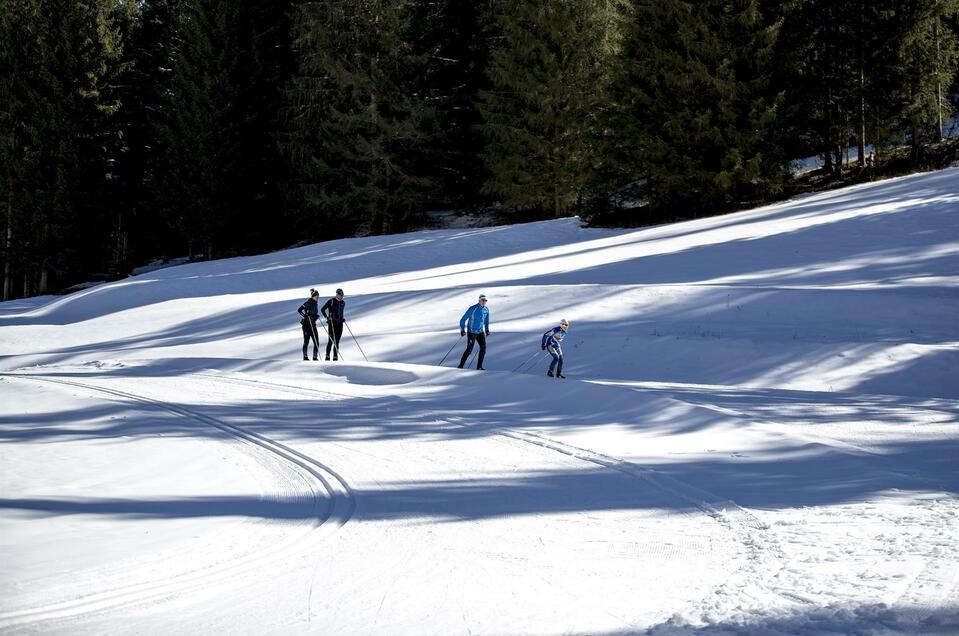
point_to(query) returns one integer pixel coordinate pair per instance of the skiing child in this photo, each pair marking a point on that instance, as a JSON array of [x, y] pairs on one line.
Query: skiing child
[[476, 322], [334, 312], [309, 314], [553, 342]]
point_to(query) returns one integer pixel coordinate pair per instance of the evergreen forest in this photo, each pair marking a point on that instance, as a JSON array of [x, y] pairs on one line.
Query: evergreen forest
[[138, 130]]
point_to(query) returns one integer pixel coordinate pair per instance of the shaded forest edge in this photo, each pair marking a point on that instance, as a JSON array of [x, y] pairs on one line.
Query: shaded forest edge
[[140, 130]]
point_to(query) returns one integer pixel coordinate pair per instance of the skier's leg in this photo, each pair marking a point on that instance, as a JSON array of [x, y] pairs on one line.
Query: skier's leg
[[552, 364], [329, 343], [337, 333], [316, 340], [559, 367], [481, 339], [469, 348], [306, 337]]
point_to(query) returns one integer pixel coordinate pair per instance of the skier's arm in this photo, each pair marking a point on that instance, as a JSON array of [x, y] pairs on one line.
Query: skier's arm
[[465, 318], [549, 340], [302, 310], [486, 322], [326, 308]]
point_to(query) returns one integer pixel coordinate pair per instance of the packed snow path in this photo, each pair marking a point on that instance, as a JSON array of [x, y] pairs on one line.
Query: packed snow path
[[758, 434]]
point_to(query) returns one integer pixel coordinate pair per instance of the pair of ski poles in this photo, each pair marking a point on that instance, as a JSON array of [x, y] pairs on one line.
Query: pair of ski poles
[[336, 347], [530, 361], [468, 364], [535, 357]]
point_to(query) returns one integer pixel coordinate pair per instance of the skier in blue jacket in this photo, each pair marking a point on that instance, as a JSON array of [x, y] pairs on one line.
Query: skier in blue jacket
[[553, 342], [475, 326]]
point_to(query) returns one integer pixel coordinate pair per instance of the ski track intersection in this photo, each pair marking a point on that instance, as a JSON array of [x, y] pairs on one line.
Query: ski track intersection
[[450, 489]]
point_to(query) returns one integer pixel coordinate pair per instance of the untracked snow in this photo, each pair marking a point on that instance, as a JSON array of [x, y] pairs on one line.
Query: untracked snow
[[758, 435]]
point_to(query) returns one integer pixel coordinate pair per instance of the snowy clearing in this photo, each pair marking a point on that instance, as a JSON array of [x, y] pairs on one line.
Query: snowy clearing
[[758, 434]]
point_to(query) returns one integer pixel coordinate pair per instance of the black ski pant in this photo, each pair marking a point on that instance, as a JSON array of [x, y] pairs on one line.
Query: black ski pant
[[309, 333], [470, 339], [334, 330]]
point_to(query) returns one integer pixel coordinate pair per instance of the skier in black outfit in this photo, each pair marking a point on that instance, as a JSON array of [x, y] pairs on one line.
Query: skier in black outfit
[[334, 312], [309, 313]]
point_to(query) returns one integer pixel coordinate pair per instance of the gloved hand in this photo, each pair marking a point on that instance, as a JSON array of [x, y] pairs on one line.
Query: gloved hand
[[542, 347], [462, 332], [487, 332]]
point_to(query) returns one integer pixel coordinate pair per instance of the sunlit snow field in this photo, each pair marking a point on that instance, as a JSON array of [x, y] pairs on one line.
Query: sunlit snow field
[[759, 434]]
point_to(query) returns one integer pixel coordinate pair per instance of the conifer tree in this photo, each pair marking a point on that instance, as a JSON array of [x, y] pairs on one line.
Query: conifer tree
[[218, 136], [19, 101], [361, 126], [453, 39], [143, 82], [698, 112], [864, 73], [543, 113], [928, 65], [57, 56]]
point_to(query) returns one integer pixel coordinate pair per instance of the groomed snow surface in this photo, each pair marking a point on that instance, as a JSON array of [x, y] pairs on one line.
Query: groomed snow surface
[[759, 434]]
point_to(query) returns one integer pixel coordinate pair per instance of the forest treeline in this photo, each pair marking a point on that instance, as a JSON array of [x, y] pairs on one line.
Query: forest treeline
[[132, 130]]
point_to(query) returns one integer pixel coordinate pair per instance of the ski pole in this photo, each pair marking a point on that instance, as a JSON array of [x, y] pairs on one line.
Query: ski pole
[[449, 352], [525, 362], [355, 340], [329, 332], [316, 339], [527, 367]]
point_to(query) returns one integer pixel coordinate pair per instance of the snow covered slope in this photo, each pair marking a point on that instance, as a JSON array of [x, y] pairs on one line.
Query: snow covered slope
[[758, 434]]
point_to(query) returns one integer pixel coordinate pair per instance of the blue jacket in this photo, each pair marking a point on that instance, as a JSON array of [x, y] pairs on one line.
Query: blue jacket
[[554, 338], [478, 318]]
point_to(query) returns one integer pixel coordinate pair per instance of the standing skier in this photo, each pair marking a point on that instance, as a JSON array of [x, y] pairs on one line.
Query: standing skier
[[333, 311], [476, 322], [553, 342], [309, 314]]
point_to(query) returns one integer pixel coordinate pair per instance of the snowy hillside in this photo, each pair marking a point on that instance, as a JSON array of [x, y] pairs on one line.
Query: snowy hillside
[[758, 434]]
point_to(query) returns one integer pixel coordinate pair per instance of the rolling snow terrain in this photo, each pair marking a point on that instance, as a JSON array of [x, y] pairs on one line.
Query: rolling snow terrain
[[759, 434]]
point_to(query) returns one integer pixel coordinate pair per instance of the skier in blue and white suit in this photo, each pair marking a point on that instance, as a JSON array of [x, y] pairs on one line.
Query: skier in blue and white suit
[[475, 325], [553, 342]]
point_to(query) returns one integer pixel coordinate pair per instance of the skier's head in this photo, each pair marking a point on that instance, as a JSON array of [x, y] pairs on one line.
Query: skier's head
[[564, 324], [314, 293], [339, 293], [482, 298]]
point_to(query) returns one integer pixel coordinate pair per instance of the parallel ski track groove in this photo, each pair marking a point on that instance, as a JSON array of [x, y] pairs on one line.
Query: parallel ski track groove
[[342, 505], [701, 499], [763, 556]]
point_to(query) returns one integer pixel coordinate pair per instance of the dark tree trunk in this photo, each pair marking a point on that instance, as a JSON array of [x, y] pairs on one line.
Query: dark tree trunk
[[7, 244]]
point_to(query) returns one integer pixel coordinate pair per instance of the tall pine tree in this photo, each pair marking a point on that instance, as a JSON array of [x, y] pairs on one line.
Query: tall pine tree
[[361, 126], [57, 58], [453, 39], [543, 113], [928, 64], [698, 114], [216, 173]]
